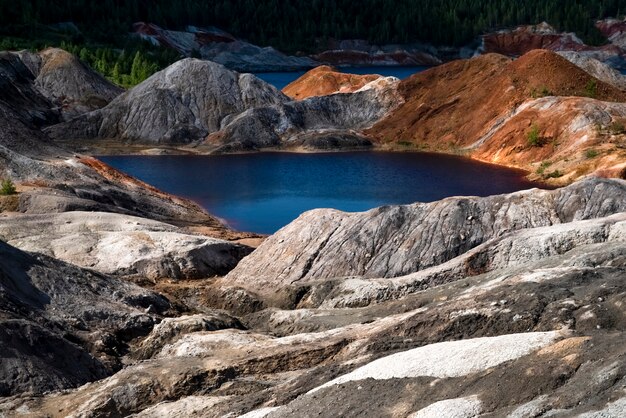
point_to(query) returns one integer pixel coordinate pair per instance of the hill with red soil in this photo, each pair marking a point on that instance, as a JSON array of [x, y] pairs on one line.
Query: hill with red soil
[[325, 80], [490, 103]]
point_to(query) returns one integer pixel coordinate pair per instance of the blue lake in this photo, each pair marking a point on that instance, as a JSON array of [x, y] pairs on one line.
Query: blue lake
[[281, 79], [264, 191]]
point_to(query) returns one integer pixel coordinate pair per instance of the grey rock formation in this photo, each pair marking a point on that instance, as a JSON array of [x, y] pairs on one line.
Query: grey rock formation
[[63, 326], [122, 245], [52, 84], [316, 122], [556, 315], [397, 240], [192, 99], [525, 316], [18, 91], [180, 104], [596, 68], [71, 84]]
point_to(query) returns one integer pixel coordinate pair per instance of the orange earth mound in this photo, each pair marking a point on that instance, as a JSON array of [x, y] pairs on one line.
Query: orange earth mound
[[539, 112], [324, 80]]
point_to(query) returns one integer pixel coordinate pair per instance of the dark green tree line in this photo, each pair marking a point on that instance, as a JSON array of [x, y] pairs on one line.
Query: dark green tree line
[[295, 24]]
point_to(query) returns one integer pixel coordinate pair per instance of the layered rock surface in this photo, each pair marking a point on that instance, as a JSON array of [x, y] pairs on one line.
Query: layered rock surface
[[122, 245], [528, 322], [393, 241]]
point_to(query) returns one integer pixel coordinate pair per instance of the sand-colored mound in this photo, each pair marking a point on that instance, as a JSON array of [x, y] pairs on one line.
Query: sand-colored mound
[[466, 106], [325, 80]]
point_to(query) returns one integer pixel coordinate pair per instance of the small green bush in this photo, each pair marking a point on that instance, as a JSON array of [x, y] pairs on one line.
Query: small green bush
[[543, 166], [591, 153], [542, 92], [554, 175], [533, 136], [591, 89], [7, 187]]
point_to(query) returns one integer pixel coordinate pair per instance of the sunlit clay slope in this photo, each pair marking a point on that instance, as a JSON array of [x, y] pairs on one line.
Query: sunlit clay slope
[[325, 80], [540, 113]]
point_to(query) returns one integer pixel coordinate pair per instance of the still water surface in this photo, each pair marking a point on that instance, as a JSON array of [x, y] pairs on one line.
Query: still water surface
[[264, 191]]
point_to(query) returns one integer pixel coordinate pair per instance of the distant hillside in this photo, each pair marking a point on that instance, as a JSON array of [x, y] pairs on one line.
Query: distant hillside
[[301, 25]]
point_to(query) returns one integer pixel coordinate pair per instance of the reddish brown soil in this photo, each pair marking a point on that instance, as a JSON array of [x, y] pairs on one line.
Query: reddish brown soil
[[450, 107], [527, 38], [609, 28], [325, 80]]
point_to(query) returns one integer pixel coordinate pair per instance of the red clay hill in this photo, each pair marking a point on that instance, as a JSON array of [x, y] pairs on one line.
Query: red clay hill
[[324, 80], [539, 112]]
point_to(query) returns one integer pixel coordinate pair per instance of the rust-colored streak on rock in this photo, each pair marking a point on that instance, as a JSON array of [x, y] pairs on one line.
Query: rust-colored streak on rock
[[325, 80], [118, 177]]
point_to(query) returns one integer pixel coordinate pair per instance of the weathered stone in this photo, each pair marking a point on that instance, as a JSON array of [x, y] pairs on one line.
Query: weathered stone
[[180, 104], [397, 240], [63, 326], [122, 245]]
